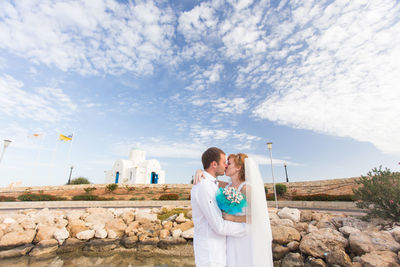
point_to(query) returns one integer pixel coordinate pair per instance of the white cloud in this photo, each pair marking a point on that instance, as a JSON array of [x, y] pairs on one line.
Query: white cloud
[[236, 105], [88, 36], [263, 160], [44, 104]]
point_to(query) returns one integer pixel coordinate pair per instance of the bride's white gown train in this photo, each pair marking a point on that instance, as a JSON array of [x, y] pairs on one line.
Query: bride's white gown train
[[255, 248]]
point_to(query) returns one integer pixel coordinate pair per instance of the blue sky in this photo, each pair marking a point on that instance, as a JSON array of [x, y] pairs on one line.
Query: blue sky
[[320, 79]]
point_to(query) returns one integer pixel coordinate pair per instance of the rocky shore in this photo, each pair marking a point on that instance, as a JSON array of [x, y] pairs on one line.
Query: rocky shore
[[301, 238]]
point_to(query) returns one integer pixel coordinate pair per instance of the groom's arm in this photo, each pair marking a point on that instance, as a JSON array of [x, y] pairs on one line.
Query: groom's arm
[[210, 210]]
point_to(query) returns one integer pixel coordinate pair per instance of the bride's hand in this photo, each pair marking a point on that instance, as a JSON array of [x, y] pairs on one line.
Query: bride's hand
[[198, 176], [228, 217]]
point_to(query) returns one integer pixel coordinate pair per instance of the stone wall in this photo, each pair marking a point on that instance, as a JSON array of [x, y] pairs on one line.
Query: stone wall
[[300, 238], [152, 192]]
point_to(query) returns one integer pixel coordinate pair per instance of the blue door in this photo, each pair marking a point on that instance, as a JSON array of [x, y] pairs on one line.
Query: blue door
[[116, 177], [154, 178]]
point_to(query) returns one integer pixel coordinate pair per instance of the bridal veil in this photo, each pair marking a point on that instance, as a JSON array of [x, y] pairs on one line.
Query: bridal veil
[[257, 216]]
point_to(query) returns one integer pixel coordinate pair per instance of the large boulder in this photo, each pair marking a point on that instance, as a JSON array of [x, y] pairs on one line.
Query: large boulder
[[128, 217], [338, 257], [365, 242], [322, 241], [284, 234], [350, 221], [85, 235], [348, 230], [116, 225], [379, 259], [279, 251], [284, 222], [144, 217], [292, 214], [14, 239], [44, 232], [76, 226], [314, 262], [396, 233], [27, 223], [185, 226], [306, 215], [188, 234], [97, 217]]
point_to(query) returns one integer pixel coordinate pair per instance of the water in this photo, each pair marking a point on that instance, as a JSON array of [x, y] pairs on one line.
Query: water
[[105, 260]]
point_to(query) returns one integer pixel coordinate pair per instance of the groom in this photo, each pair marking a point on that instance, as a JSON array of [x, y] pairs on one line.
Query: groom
[[210, 230]]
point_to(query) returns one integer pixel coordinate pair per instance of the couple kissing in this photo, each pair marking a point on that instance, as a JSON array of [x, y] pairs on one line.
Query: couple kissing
[[231, 222]]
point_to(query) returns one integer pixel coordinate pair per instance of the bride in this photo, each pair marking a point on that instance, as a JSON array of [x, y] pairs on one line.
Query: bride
[[255, 248]]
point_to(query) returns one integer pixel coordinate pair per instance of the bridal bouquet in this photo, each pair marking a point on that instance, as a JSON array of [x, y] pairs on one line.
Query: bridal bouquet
[[230, 200]]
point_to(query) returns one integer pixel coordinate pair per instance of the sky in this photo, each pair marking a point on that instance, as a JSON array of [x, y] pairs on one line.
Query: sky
[[318, 79]]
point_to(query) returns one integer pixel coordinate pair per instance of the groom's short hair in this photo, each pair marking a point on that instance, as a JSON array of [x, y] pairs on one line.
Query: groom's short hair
[[210, 155]]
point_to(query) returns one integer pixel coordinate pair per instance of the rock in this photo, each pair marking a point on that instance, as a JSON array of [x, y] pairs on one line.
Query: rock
[[347, 230], [181, 218], [9, 220], [27, 223], [176, 233], [172, 218], [396, 233], [379, 259], [273, 216], [293, 246], [147, 240], [314, 262], [14, 239], [76, 226], [44, 216], [306, 215], [151, 228], [74, 214], [60, 235], [111, 234], [129, 242], [44, 232], [128, 217], [44, 248], [301, 226], [117, 225], [16, 252], [132, 228], [101, 245], [13, 227], [71, 245], [279, 251], [325, 224], [144, 217], [284, 234], [322, 241], [100, 233], [311, 228], [185, 226], [350, 221], [164, 233], [167, 225], [338, 257], [292, 214], [188, 234], [365, 242], [98, 218], [60, 222], [293, 260], [189, 214], [85, 235], [284, 222]]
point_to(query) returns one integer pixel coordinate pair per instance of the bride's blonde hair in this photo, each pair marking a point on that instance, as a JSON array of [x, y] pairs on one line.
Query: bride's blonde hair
[[239, 162]]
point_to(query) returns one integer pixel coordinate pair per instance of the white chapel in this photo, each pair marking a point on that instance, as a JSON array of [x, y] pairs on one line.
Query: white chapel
[[136, 170]]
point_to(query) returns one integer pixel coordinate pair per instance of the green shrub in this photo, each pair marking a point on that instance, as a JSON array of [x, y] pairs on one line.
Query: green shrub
[[80, 180], [88, 190], [129, 188], [280, 189], [170, 196], [270, 197], [323, 197], [111, 187], [379, 194], [38, 197], [266, 190], [85, 197], [7, 199]]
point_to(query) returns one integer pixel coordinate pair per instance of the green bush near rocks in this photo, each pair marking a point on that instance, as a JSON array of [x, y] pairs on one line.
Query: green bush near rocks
[[170, 196], [379, 194], [7, 199], [80, 180], [280, 189], [39, 197], [165, 214], [111, 187]]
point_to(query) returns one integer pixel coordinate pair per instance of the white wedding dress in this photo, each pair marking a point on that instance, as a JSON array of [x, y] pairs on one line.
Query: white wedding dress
[[255, 248]]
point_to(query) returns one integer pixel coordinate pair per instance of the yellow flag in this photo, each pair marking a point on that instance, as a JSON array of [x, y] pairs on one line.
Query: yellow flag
[[65, 137]]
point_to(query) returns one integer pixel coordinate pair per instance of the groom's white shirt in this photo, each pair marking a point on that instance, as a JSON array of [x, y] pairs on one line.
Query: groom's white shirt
[[210, 230]]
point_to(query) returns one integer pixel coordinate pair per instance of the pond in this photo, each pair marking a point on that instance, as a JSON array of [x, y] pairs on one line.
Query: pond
[[114, 260]]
